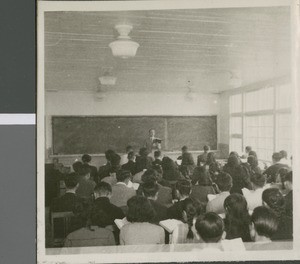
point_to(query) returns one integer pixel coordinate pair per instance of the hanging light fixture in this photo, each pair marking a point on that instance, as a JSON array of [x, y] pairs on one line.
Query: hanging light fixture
[[124, 47]]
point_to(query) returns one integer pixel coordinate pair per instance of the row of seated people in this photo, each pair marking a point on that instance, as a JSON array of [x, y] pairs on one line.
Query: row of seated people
[[119, 200]]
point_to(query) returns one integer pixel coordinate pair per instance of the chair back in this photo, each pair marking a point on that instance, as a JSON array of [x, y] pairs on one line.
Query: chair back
[[60, 226]]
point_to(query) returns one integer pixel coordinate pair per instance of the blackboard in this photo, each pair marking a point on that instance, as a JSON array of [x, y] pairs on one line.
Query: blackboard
[[95, 134]]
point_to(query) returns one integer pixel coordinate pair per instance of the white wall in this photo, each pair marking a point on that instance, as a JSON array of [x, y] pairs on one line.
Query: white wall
[[125, 104]]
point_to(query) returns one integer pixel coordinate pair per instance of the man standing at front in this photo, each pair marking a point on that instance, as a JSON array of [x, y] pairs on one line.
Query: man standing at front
[[152, 143]]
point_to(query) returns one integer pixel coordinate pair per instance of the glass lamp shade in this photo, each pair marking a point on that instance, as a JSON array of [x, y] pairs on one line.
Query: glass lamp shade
[[124, 48]]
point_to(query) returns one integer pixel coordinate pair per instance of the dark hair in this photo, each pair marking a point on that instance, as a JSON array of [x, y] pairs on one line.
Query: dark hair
[[151, 129], [149, 176], [252, 153], [206, 148], [224, 181], [77, 166], [184, 148], [248, 148], [210, 158], [265, 221], [258, 179], [129, 148], [233, 153], [282, 174], [157, 153], [130, 155], [233, 161], [289, 176], [140, 210], [275, 200], [109, 153], [210, 227], [184, 187], [103, 188], [202, 176], [283, 154], [253, 162], [115, 160], [143, 152], [86, 158], [276, 156], [71, 180], [168, 164], [122, 175], [192, 210], [84, 170], [99, 217], [150, 189]]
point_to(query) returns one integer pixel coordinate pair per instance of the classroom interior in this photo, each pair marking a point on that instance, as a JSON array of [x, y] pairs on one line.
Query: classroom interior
[[229, 66]]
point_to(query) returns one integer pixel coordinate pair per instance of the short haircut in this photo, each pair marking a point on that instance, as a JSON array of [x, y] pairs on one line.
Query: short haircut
[[252, 153], [71, 180], [150, 189], [202, 176], [151, 129], [273, 198], [289, 176], [283, 153], [129, 148], [258, 179], [157, 153], [103, 188], [252, 160], [130, 155], [99, 217], [265, 221], [86, 158], [224, 181], [233, 153], [206, 148], [184, 187], [210, 227], [248, 148], [184, 148], [122, 175], [276, 156], [149, 176], [115, 159], [77, 166], [143, 151], [109, 153], [140, 210], [84, 170]]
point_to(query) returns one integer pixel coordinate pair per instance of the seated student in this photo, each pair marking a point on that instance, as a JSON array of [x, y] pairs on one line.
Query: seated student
[[86, 186], [273, 199], [284, 159], [263, 226], [164, 195], [215, 204], [183, 191], [254, 196], [143, 161], [141, 230], [252, 163], [124, 158], [272, 171], [187, 164], [86, 159], [105, 169], [247, 150], [203, 186], [150, 191], [93, 231], [102, 194], [130, 165], [201, 159], [211, 230], [171, 173], [157, 158], [67, 202], [288, 183], [120, 191], [114, 168], [77, 166], [212, 165], [237, 218]]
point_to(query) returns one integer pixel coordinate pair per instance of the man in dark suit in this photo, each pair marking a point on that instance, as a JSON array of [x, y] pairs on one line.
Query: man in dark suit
[[157, 158], [105, 170], [150, 191], [130, 165], [86, 159]]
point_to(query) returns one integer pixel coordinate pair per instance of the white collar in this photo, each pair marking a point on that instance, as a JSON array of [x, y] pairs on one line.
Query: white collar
[[71, 191]]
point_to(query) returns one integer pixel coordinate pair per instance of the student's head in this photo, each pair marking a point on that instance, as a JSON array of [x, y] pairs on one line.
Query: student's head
[[143, 152], [99, 217], [206, 148], [248, 149], [157, 154], [210, 228], [86, 158], [276, 157], [131, 156], [168, 164], [129, 149], [211, 158], [236, 206], [151, 132], [140, 210], [272, 198], [203, 176], [252, 160], [71, 181], [233, 161], [183, 188], [108, 154], [150, 176], [258, 180], [77, 166], [283, 154], [102, 189], [85, 171], [252, 153], [184, 149], [288, 181], [224, 182], [150, 190], [233, 153], [123, 176], [282, 172], [263, 223]]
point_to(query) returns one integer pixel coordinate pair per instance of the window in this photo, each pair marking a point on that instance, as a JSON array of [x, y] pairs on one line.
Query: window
[[261, 119]]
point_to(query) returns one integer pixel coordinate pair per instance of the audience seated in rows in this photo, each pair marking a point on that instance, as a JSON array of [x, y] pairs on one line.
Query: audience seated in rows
[[124, 157], [253, 164], [86, 186], [86, 159], [212, 165], [130, 165], [114, 168], [171, 172]]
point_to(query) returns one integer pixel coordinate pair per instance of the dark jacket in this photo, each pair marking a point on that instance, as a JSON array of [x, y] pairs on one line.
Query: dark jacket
[[272, 171], [94, 173], [160, 210], [104, 171], [130, 166], [65, 203]]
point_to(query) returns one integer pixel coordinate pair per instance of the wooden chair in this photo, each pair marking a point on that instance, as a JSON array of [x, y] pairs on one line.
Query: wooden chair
[[62, 225]]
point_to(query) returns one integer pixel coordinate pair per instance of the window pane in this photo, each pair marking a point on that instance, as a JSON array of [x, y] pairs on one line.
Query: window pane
[[235, 103], [235, 125], [259, 100], [236, 145], [284, 133], [284, 96]]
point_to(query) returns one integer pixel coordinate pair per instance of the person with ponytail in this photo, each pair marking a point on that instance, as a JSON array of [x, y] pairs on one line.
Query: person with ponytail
[[237, 218], [273, 199]]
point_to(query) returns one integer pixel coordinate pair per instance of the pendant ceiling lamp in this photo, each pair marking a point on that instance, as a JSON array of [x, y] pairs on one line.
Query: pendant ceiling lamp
[[124, 47]]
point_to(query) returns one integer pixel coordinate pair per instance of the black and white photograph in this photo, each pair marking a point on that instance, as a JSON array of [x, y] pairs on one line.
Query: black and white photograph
[[167, 131]]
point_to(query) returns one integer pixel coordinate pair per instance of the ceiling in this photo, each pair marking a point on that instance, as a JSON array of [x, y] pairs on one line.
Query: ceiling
[[207, 47]]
